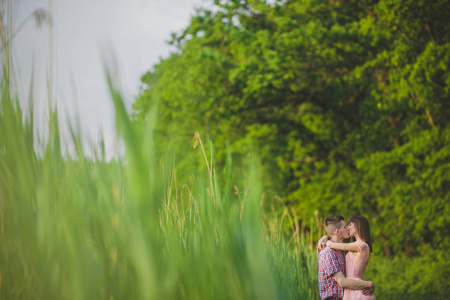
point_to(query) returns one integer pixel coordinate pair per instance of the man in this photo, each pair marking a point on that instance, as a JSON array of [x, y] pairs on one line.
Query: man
[[332, 281]]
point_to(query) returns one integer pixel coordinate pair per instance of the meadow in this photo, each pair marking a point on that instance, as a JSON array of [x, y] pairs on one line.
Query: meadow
[[266, 119], [86, 228], [135, 228]]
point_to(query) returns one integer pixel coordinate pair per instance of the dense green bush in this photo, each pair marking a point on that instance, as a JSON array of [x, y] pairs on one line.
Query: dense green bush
[[410, 278]]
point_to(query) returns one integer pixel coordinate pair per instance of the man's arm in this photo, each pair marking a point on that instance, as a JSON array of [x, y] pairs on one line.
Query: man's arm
[[351, 284]]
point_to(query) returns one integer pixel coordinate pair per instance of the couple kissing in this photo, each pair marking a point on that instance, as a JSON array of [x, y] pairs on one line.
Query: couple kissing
[[341, 276]]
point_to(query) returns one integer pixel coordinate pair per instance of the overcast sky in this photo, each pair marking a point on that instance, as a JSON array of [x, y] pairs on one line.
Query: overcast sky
[[83, 30]]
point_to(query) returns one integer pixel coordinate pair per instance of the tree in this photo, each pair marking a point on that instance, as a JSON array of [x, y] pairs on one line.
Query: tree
[[346, 102]]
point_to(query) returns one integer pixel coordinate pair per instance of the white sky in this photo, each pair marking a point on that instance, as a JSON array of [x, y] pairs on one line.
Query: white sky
[[83, 30]]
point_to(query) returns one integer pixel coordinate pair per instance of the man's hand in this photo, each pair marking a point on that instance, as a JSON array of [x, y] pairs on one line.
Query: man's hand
[[322, 243], [370, 290]]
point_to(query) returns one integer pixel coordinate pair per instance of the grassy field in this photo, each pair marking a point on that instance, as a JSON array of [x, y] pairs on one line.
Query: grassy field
[[133, 228], [84, 228]]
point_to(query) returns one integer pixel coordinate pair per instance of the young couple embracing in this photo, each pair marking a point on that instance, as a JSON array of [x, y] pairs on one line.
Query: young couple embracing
[[341, 276]]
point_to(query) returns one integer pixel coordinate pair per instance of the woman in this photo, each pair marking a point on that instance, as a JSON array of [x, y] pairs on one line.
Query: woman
[[358, 254]]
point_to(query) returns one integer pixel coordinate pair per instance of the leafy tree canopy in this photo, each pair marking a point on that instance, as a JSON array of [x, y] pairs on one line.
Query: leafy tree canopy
[[347, 102]]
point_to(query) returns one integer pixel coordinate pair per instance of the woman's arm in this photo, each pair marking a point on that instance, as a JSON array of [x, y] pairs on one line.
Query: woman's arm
[[344, 246], [322, 243]]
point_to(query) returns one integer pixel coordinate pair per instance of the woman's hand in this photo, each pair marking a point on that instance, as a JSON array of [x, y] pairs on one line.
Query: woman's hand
[[322, 243]]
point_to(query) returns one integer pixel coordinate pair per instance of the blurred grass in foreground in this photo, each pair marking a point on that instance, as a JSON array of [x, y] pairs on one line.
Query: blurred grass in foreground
[[82, 228]]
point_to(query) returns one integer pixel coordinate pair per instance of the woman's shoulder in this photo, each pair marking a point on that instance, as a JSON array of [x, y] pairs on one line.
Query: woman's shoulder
[[362, 245]]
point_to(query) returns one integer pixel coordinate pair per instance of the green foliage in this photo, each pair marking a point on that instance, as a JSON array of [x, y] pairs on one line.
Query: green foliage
[[406, 278], [412, 182], [82, 228], [345, 101]]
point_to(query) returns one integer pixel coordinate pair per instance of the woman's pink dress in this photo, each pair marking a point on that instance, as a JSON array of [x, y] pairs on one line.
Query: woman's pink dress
[[355, 266]]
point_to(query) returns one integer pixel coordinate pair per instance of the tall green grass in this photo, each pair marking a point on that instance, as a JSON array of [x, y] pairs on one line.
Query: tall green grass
[[84, 228]]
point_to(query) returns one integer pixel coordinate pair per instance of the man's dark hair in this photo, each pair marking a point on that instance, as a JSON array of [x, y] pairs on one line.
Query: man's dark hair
[[332, 223]]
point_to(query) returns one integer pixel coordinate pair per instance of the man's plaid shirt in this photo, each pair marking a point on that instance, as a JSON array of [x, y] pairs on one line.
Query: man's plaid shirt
[[330, 261]]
